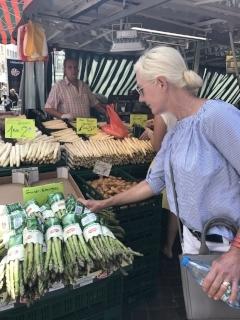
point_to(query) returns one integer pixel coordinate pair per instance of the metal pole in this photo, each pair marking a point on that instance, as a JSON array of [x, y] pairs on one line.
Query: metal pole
[[234, 56], [197, 57]]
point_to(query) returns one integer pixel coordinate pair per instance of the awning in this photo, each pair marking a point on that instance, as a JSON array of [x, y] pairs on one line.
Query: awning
[[10, 15]]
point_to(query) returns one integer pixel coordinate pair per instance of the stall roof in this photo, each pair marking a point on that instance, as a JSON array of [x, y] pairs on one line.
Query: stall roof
[[10, 15], [89, 24]]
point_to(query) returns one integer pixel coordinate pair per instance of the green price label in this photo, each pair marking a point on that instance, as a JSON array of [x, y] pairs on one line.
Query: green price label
[[139, 119], [16, 128], [86, 126], [40, 193]]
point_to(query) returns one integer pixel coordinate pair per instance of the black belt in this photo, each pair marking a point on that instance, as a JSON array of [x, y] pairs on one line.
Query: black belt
[[209, 237]]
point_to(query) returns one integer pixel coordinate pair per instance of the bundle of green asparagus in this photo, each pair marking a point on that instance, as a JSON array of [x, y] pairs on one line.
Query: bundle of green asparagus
[[53, 265], [14, 267], [110, 253], [57, 203], [59, 241]]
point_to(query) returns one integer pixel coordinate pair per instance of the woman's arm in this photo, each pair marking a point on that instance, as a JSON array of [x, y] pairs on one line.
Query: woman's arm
[[139, 192], [159, 131], [157, 134]]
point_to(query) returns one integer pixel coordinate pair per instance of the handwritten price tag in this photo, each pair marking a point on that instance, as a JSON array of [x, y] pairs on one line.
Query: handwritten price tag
[[16, 128], [139, 119], [86, 126], [40, 193], [102, 168]]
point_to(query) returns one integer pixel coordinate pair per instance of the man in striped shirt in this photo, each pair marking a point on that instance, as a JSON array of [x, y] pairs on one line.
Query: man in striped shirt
[[70, 98]]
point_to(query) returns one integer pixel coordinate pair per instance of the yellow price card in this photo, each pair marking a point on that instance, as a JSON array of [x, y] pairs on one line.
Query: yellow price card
[[17, 128], [139, 119], [86, 126], [40, 193]]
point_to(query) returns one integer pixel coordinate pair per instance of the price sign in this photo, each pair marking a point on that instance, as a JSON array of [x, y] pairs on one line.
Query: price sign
[[102, 168], [83, 281], [86, 126], [17, 128], [28, 175], [139, 119], [40, 193]]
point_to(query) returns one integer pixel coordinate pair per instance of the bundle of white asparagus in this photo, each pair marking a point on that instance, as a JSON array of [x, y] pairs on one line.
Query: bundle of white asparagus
[[65, 135], [117, 152], [38, 138], [100, 135], [57, 124], [31, 152]]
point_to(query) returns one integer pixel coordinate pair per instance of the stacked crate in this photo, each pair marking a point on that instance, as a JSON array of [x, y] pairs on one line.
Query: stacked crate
[[100, 300], [142, 224]]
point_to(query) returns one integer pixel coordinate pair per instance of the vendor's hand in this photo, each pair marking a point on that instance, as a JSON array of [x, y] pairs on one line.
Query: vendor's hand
[[93, 205], [146, 135], [225, 269], [149, 123], [67, 116]]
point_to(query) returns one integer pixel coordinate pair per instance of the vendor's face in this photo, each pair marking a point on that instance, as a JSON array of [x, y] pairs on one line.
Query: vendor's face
[[152, 93], [71, 70]]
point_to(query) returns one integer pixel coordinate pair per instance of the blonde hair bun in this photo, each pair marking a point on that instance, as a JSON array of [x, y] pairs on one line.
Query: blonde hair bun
[[167, 62], [192, 79]]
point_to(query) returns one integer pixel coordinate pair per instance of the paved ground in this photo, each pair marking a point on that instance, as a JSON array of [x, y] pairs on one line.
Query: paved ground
[[168, 301]]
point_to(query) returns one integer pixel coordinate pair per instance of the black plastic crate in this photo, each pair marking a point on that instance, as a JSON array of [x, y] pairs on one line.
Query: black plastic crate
[[114, 313], [151, 257], [85, 302], [139, 285], [137, 171]]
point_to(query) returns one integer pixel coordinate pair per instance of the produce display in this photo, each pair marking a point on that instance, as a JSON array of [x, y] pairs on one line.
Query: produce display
[[55, 124], [109, 186], [29, 153], [65, 135], [60, 241], [100, 135], [117, 152]]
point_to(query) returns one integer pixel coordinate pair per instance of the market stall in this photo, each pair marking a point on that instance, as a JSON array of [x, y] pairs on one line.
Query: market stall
[[90, 266]]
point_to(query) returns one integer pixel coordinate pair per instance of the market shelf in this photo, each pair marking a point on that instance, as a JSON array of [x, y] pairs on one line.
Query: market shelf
[[42, 168]]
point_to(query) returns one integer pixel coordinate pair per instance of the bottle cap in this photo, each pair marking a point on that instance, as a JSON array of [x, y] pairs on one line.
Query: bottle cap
[[185, 261]]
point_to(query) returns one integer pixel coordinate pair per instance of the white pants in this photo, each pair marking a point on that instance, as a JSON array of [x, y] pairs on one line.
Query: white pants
[[191, 244]]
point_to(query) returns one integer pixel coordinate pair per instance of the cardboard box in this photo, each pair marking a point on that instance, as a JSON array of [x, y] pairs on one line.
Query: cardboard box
[[12, 192]]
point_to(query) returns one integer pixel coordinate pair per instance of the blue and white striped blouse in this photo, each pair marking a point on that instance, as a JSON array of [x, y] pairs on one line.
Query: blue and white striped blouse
[[205, 155]]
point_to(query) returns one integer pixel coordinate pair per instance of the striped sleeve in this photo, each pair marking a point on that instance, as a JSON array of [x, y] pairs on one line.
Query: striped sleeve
[[222, 128], [155, 175], [53, 99]]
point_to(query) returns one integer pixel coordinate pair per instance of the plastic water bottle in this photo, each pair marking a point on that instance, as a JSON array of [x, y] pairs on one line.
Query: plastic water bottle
[[199, 270]]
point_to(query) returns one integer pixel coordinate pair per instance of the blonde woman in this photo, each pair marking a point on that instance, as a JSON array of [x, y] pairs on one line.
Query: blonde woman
[[204, 149], [161, 124]]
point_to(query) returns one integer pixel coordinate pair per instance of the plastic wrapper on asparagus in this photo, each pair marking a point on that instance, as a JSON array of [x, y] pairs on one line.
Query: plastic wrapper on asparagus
[[61, 241]]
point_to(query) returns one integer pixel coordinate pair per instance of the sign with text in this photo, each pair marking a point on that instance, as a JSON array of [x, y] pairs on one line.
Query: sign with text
[[138, 119], [40, 193], [102, 168], [86, 126], [17, 128]]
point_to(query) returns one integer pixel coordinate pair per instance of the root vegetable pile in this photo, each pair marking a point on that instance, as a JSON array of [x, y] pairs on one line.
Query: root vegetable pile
[[109, 186]]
